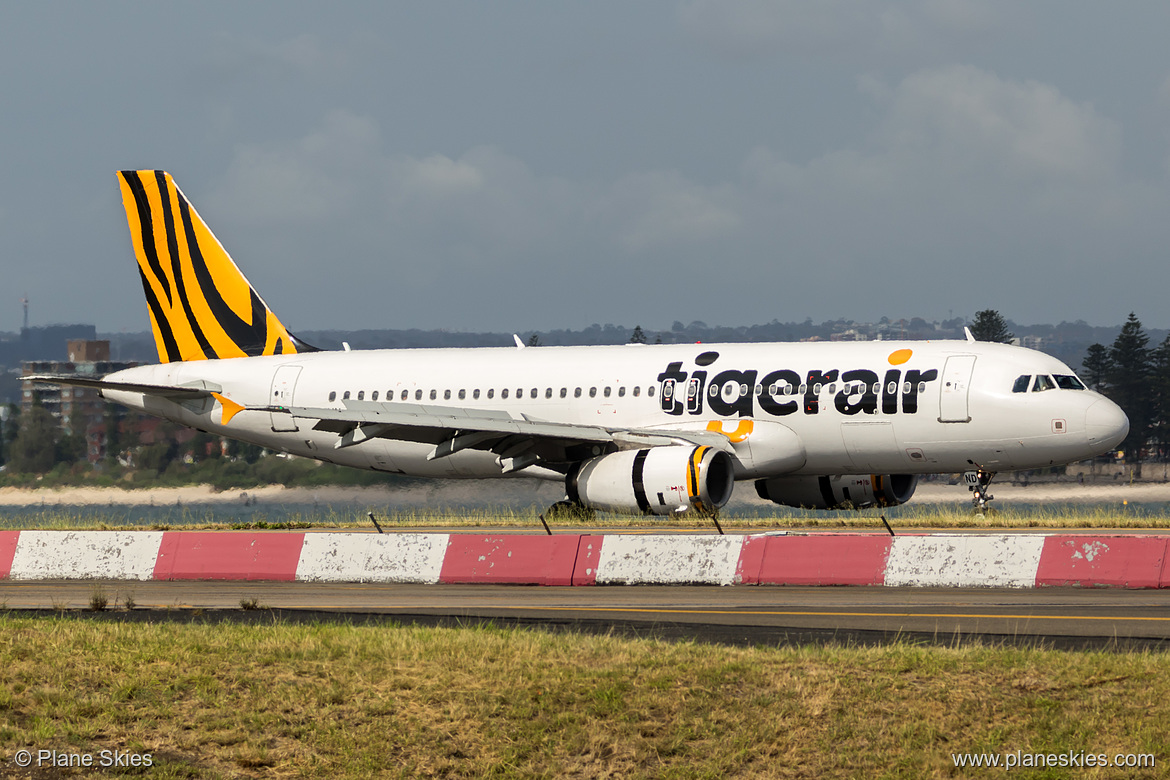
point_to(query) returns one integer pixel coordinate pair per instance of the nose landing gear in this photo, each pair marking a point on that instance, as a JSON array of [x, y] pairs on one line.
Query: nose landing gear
[[978, 482]]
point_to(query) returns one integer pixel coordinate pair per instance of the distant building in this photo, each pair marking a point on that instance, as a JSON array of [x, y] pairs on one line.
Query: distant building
[[74, 405], [43, 343]]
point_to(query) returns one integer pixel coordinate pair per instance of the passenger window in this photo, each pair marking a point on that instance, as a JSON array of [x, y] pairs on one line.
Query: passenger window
[[446, 395], [374, 396], [405, 394], [621, 392], [577, 392], [637, 390], [345, 396], [462, 394], [593, 392], [504, 393], [1068, 382], [491, 392], [434, 394], [475, 394], [1042, 383], [418, 395], [1021, 385], [520, 393], [650, 391], [332, 395], [533, 393], [548, 392], [605, 392], [564, 392], [361, 395], [833, 389]]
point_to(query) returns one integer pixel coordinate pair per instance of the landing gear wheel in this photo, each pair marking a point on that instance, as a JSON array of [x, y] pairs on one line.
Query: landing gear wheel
[[978, 483]]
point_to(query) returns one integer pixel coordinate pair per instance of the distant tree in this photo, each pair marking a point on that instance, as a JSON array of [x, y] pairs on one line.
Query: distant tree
[[9, 424], [534, 340], [638, 336], [71, 446], [1097, 367], [1129, 386], [1160, 397], [34, 450], [205, 446], [158, 456], [989, 325]]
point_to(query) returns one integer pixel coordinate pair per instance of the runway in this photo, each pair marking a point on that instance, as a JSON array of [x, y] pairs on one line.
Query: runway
[[1055, 617]]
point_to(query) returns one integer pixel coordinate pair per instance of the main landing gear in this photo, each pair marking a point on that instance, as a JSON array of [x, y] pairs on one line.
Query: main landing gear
[[978, 482]]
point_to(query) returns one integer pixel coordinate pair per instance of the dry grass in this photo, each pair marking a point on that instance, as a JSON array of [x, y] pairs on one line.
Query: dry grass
[[341, 701], [911, 517]]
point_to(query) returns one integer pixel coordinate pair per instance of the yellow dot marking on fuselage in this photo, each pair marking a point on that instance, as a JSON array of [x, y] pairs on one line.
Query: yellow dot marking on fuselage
[[900, 356]]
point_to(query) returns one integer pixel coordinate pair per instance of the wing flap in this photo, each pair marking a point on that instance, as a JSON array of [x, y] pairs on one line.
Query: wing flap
[[454, 428]]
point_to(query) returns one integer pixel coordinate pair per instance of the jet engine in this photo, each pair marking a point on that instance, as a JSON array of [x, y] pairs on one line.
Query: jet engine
[[854, 491], [654, 481]]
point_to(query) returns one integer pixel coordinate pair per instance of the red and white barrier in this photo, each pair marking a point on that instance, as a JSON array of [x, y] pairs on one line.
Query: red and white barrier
[[349, 557], [946, 560]]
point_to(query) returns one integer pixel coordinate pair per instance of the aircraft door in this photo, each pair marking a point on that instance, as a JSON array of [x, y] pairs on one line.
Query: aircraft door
[[956, 386], [284, 383]]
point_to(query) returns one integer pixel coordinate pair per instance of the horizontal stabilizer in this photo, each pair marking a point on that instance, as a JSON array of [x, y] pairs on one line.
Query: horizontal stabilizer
[[177, 393]]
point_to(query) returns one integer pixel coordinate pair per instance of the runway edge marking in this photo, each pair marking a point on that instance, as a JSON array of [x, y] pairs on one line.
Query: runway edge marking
[[948, 560]]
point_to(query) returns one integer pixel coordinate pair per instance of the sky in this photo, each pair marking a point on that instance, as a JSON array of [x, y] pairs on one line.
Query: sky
[[532, 165]]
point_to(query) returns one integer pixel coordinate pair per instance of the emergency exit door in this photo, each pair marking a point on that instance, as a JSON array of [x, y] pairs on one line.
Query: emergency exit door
[[284, 383], [956, 386]]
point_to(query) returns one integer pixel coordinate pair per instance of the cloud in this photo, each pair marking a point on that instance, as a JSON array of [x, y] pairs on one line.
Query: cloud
[[833, 28], [314, 178], [235, 57], [663, 209], [961, 175], [965, 116]]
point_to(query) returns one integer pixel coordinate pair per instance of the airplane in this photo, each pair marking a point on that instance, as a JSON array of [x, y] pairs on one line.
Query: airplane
[[652, 429]]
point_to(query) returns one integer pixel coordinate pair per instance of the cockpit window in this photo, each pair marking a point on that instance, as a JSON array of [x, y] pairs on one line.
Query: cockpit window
[[1043, 383], [1021, 385], [1068, 382]]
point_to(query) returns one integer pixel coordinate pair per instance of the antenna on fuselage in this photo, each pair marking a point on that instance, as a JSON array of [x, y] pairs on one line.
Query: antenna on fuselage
[[968, 332]]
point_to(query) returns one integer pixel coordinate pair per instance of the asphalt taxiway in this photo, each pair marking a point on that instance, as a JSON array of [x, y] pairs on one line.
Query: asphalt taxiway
[[1051, 617]]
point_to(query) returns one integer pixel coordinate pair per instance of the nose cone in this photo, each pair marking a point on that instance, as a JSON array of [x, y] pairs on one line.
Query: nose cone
[[1105, 425]]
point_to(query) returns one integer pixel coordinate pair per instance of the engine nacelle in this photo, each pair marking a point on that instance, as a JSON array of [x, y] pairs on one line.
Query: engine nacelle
[[654, 481], [854, 491]]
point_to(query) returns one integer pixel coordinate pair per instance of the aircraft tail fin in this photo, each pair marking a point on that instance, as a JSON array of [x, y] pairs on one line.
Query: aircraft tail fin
[[201, 306]]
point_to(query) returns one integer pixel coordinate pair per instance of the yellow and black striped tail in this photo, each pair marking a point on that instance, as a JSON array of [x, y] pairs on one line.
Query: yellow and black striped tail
[[201, 306]]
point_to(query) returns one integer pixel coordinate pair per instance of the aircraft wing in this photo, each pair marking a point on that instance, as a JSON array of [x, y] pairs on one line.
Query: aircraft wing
[[522, 441]]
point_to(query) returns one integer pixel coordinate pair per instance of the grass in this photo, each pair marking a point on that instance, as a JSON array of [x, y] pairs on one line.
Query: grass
[[746, 519], [343, 701]]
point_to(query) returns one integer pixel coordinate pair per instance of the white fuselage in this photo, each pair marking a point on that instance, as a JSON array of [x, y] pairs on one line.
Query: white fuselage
[[815, 408]]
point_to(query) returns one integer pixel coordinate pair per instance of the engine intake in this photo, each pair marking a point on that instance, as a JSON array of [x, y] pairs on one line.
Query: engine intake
[[654, 481], [853, 491]]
